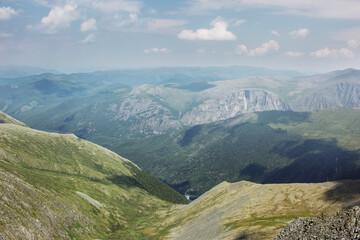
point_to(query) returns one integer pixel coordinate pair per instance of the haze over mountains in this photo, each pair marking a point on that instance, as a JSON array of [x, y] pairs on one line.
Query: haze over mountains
[[100, 107], [211, 117]]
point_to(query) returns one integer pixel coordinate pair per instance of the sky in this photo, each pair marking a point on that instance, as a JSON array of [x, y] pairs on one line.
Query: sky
[[89, 35]]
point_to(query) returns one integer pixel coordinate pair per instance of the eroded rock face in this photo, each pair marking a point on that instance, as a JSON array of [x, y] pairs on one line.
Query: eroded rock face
[[345, 94], [233, 104], [344, 225]]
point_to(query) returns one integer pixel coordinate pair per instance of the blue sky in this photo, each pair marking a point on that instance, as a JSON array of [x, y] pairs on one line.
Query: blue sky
[[87, 35]]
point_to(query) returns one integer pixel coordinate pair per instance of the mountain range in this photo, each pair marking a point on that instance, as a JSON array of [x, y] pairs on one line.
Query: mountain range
[[100, 106], [196, 127], [57, 186]]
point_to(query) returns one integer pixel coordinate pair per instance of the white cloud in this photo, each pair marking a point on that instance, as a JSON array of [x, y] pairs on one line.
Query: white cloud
[[275, 33], [7, 12], [89, 25], [157, 50], [302, 32], [121, 20], [200, 5], [57, 19], [164, 24], [5, 35], [326, 52], [217, 32], [241, 49], [294, 54], [333, 9], [239, 22], [118, 5], [353, 43], [270, 46], [89, 39]]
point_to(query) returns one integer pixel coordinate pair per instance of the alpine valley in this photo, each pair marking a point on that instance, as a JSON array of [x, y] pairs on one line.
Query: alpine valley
[[253, 148]]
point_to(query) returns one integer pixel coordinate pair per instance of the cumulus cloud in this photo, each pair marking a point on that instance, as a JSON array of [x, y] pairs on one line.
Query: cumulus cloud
[[89, 39], [300, 33], [331, 9], [275, 33], [353, 43], [242, 49], [270, 46], [89, 25], [326, 52], [164, 24], [118, 5], [217, 32], [157, 50], [57, 19], [294, 54], [7, 12]]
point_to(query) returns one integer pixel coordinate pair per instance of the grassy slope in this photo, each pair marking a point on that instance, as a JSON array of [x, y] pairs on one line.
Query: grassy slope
[[43, 179], [245, 210], [4, 118], [262, 147], [60, 187]]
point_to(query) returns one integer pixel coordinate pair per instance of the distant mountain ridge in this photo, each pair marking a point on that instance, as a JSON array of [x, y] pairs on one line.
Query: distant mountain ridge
[[101, 107], [22, 71]]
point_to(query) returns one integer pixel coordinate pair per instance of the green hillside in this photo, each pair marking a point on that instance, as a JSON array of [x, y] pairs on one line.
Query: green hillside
[[56, 186], [264, 147], [4, 118], [249, 211]]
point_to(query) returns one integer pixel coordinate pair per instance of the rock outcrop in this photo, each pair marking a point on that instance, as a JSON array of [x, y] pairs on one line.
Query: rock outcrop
[[345, 94], [233, 104], [343, 225]]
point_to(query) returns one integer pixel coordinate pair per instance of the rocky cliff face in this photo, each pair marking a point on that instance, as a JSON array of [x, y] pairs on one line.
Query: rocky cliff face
[[233, 104], [149, 110], [343, 225], [145, 115], [344, 94]]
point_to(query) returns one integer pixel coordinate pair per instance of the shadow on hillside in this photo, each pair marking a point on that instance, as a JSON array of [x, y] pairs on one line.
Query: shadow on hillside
[[189, 135], [249, 235], [314, 160], [253, 171], [283, 117], [346, 192], [124, 181]]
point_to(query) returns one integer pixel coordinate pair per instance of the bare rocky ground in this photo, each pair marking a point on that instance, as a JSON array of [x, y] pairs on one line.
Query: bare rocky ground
[[342, 225]]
